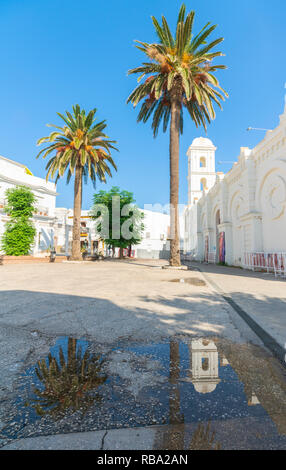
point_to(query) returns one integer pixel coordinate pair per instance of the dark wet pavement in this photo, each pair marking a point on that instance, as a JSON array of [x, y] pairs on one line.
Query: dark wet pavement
[[194, 281], [196, 393]]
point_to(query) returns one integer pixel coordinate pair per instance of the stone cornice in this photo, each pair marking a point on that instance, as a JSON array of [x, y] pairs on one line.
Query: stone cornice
[[251, 215], [275, 138], [204, 173], [222, 225]]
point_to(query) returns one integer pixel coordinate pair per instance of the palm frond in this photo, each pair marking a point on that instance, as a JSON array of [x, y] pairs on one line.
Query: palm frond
[[81, 142], [179, 65]]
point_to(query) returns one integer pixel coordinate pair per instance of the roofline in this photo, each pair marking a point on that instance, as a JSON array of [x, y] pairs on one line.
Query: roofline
[[13, 161], [40, 188]]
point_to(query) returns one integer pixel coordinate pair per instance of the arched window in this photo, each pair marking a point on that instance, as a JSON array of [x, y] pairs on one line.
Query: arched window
[[203, 184], [203, 162], [205, 363]]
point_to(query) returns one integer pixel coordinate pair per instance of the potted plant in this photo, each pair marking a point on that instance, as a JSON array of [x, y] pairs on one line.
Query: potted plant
[[53, 254]]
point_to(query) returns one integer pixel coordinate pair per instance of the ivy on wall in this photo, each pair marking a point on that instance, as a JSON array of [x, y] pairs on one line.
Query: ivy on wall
[[20, 232]]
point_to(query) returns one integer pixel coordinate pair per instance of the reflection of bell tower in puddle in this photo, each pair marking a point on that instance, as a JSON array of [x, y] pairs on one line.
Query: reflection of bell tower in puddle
[[203, 371]]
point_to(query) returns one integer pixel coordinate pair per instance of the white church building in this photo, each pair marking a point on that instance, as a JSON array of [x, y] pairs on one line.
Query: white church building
[[238, 218]]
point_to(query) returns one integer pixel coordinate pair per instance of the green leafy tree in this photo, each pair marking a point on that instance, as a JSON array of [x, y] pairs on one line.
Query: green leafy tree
[[19, 232], [119, 220], [176, 76], [81, 148]]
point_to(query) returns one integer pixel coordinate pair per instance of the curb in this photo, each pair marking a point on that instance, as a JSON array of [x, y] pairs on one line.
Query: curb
[[269, 342]]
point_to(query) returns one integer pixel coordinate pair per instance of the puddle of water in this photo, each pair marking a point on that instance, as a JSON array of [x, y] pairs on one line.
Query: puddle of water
[[205, 390], [194, 281], [69, 379]]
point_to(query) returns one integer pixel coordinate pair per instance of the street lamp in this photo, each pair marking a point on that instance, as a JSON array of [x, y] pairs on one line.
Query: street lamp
[[258, 129]]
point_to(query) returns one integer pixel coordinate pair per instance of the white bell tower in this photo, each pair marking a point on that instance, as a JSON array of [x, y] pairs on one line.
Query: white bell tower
[[201, 168]]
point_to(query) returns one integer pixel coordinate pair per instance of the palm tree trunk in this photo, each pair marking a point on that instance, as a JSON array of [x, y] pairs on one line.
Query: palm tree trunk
[[76, 252], [174, 401], [174, 182]]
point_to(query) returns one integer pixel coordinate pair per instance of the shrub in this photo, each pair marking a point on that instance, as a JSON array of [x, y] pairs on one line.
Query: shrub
[[19, 232]]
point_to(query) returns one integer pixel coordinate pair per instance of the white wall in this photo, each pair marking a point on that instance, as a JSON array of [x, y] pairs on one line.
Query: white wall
[[251, 200], [155, 239], [13, 174]]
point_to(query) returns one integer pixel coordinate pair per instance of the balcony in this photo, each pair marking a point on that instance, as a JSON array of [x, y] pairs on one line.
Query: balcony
[[42, 211]]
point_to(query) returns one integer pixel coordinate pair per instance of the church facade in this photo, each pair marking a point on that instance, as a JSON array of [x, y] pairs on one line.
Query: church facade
[[238, 218]]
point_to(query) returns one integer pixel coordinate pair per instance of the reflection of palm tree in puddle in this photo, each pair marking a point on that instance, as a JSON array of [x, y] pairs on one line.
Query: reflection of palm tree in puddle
[[204, 439], [67, 382], [175, 439], [175, 416]]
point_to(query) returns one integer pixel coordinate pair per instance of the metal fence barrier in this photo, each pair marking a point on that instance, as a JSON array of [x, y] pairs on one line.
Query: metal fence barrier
[[270, 262], [212, 257]]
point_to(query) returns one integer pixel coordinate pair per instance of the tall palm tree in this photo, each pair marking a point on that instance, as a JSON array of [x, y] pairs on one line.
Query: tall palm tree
[[80, 148], [177, 75]]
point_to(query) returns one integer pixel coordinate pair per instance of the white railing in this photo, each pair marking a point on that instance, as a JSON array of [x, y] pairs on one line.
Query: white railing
[[270, 262], [186, 257], [212, 257], [189, 256]]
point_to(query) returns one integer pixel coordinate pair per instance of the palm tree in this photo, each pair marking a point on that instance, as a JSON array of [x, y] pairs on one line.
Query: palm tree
[[178, 74], [80, 148]]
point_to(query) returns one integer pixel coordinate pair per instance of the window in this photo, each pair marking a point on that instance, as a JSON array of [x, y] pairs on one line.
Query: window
[[205, 363], [203, 162], [203, 184], [217, 218]]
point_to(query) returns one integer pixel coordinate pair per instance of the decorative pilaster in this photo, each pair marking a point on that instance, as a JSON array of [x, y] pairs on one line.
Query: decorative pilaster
[[200, 247], [256, 233]]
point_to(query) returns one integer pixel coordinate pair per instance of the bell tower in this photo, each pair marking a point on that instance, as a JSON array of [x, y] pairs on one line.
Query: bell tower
[[201, 168]]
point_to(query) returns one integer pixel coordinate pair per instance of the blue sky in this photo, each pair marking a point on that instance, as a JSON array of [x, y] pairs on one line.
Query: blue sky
[[58, 53]]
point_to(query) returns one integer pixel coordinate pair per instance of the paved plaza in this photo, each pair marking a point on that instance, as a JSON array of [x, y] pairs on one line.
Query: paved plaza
[[261, 295], [114, 304], [111, 301]]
